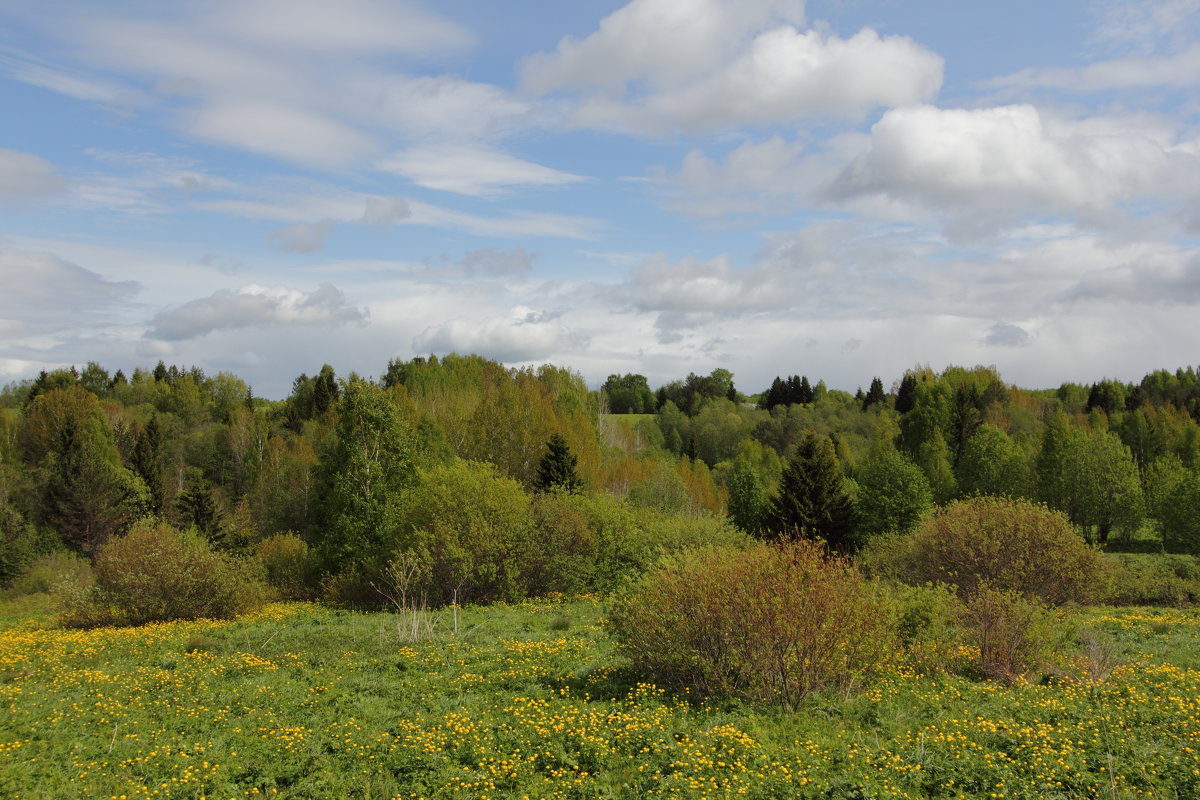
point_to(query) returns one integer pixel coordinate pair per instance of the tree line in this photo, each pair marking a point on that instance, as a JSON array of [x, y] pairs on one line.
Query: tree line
[[451, 459]]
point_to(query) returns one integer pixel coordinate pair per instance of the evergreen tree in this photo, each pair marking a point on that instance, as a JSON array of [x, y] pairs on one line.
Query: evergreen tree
[[556, 470], [813, 500], [147, 463], [805, 393], [325, 390], [906, 395], [875, 395]]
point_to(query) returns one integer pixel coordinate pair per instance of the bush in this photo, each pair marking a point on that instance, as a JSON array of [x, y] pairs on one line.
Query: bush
[[928, 624], [1013, 545], [475, 530], [51, 573], [1014, 633], [1151, 580], [286, 562], [156, 573], [766, 623]]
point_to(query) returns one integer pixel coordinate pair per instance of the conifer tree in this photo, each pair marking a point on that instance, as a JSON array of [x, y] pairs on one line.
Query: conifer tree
[[556, 470], [812, 499], [875, 395]]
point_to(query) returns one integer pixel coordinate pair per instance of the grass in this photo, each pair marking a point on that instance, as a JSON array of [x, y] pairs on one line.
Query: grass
[[300, 701]]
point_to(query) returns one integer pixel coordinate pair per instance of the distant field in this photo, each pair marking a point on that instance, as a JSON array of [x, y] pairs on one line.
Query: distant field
[[529, 701]]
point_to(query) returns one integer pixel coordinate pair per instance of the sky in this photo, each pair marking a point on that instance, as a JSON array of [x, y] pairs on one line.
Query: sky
[[841, 188]]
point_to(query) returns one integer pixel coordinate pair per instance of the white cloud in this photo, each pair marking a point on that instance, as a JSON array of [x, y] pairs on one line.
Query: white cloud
[[524, 334], [383, 212], [254, 305], [471, 170], [43, 291], [290, 132], [1180, 69], [663, 42], [998, 166], [655, 66], [349, 26], [25, 177], [303, 237]]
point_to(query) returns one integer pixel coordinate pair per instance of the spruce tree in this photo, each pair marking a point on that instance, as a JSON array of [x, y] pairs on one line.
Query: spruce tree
[[875, 395], [556, 470], [812, 499]]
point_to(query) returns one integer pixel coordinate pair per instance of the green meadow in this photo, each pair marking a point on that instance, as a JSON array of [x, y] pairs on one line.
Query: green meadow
[[532, 701]]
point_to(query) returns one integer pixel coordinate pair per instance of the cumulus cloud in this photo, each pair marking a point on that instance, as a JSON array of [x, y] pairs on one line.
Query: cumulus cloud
[[992, 166], [1005, 334], [254, 305], [25, 177], [656, 65], [471, 170], [523, 335], [303, 237]]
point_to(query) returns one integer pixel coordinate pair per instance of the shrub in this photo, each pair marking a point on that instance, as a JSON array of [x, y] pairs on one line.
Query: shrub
[[474, 527], [156, 572], [1014, 633], [1014, 545], [51, 573], [1151, 580], [286, 562], [927, 623], [766, 623]]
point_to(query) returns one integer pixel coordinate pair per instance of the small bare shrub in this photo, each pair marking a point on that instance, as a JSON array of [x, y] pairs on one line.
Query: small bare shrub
[[398, 583], [155, 573], [766, 623]]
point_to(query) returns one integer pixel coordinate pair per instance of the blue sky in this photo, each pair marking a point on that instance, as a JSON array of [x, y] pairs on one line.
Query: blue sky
[[838, 189]]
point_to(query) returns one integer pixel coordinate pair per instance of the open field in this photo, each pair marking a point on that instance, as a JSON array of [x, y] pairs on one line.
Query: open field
[[530, 701]]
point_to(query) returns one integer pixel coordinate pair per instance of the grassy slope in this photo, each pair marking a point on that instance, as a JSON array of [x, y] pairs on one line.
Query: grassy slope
[[530, 701]]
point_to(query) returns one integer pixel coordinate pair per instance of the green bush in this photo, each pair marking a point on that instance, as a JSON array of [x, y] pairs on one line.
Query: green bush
[[286, 562], [156, 573], [928, 625], [765, 623], [475, 529], [60, 570], [1013, 545], [1151, 580]]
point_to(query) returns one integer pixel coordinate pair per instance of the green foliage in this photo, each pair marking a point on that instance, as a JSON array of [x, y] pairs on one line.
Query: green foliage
[[286, 562], [893, 494], [362, 479], [85, 493], [474, 528], [662, 490], [1010, 545], [1151, 580], [156, 573], [629, 394], [20, 543], [556, 470], [767, 623], [813, 499], [59, 571], [1172, 498], [992, 464], [747, 497]]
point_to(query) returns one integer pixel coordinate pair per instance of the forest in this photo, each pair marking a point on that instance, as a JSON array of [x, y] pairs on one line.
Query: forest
[[454, 459]]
